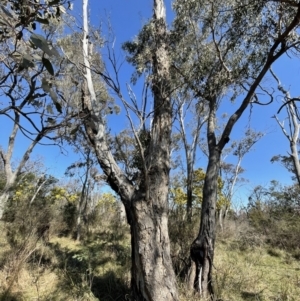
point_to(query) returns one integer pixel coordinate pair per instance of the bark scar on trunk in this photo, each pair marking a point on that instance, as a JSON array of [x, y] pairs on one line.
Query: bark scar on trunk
[[201, 254], [197, 254]]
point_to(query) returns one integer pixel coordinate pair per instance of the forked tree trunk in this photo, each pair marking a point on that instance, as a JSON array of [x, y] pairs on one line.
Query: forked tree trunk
[[153, 278]]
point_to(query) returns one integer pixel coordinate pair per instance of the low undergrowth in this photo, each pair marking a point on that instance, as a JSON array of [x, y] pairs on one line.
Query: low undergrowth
[[98, 268]]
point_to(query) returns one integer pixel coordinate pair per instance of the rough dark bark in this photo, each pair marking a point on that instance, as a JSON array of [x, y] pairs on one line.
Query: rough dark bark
[[202, 249], [189, 195], [152, 270]]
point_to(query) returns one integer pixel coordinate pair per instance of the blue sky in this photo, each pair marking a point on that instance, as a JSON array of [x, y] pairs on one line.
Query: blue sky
[[127, 17]]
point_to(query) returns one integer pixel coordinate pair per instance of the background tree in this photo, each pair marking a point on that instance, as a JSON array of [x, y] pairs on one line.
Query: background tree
[[190, 148], [230, 173], [88, 177], [291, 132], [273, 210], [29, 100]]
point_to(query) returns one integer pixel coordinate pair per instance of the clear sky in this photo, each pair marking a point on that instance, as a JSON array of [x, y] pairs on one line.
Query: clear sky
[[126, 18]]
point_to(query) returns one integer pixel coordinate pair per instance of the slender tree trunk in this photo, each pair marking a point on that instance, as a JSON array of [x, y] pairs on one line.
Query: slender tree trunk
[[189, 190], [202, 249], [221, 216], [3, 199], [79, 220], [10, 181]]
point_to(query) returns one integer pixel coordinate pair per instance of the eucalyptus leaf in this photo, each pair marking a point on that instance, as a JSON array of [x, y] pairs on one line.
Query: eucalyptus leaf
[[42, 20], [45, 85], [27, 61], [40, 42], [53, 97], [54, 2], [74, 131], [62, 9], [48, 66], [58, 107], [36, 57], [51, 120], [6, 12], [49, 109]]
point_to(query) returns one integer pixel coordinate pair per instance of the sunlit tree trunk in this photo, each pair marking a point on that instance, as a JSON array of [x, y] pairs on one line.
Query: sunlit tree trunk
[[6, 157], [292, 134], [153, 278]]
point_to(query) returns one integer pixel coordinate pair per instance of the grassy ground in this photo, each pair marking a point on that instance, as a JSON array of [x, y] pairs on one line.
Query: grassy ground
[[244, 269], [65, 270], [256, 273]]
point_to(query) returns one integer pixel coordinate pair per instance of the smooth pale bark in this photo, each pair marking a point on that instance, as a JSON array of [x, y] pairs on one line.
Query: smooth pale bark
[[146, 205], [6, 157], [190, 155], [294, 128]]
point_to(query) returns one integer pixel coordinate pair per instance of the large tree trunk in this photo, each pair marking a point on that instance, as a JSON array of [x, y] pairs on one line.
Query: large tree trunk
[[146, 204], [152, 276], [202, 249]]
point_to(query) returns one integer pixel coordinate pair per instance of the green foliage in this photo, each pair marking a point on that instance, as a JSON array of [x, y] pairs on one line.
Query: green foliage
[[179, 195], [69, 211], [107, 201], [139, 51], [23, 15], [40, 42], [274, 212], [181, 235], [128, 153], [29, 12]]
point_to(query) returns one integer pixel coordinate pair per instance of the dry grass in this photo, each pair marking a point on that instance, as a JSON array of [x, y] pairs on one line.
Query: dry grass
[[65, 270], [256, 274], [245, 269]]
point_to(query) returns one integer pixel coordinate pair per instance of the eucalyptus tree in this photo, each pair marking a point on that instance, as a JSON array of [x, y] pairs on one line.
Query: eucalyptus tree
[[230, 173], [19, 17], [146, 203], [85, 173], [185, 110], [291, 131], [235, 44], [30, 103]]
